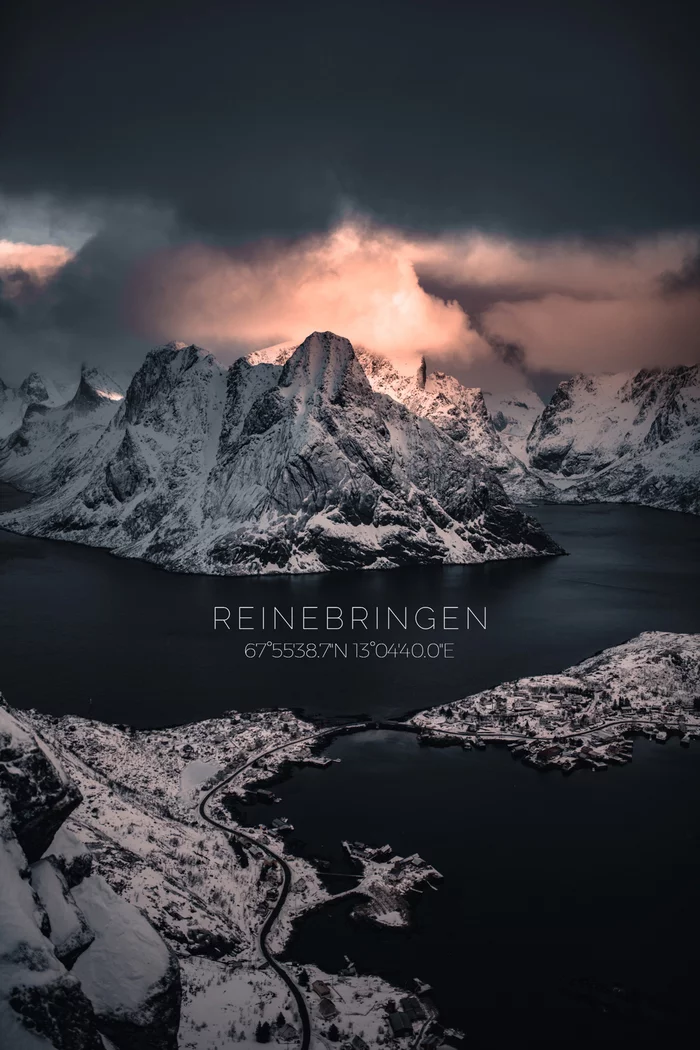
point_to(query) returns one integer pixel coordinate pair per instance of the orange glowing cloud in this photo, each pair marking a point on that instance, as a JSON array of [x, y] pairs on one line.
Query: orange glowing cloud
[[357, 281], [566, 334], [37, 261], [567, 266], [571, 305]]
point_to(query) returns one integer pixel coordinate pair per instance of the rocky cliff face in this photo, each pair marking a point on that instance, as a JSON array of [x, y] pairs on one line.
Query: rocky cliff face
[[459, 411], [38, 795], [76, 961], [631, 438], [293, 467]]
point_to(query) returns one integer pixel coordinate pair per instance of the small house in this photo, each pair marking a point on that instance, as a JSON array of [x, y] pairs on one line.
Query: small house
[[400, 1023], [413, 1007], [327, 1009]]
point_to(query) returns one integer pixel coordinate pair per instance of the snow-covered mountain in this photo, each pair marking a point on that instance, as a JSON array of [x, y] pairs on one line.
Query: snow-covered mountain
[[34, 390], [459, 411], [41, 453], [514, 415], [462, 412], [632, 438], [77, 961], [298, 467]]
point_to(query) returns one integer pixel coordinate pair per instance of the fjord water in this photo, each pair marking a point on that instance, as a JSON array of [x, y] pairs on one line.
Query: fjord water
[[120, 640], [549, 882]]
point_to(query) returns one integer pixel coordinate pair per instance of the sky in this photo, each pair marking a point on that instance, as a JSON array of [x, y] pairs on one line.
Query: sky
[[510, 188]]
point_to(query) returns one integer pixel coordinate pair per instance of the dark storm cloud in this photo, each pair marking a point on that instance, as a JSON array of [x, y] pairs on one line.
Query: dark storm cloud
[[76, 311], [220, 153], [255, 118]]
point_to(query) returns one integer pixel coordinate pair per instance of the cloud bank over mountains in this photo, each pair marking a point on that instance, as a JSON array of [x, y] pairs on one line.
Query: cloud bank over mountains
[[471, 300]]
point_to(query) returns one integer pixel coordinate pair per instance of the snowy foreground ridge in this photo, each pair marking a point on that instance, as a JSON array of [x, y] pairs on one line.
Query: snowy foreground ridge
[[146, 919], [125, 914], [77, 961], [262, 468]]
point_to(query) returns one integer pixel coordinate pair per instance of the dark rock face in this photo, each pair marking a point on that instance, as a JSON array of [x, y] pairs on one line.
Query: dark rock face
[[293, 467], [39, 797], [127, 473], [33, 388], [72, 858], [68, 929], [60, 1013]]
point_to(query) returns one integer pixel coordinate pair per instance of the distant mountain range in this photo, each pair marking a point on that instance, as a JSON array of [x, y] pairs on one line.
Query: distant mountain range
[[264, 467], [34, 390], [625, 438], [51, 438], [319, 456]]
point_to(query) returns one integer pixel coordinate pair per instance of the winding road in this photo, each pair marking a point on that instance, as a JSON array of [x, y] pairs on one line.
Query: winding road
[[269, 922]]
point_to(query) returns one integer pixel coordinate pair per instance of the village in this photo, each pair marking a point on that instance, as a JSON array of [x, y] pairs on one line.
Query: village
[[583, 718]]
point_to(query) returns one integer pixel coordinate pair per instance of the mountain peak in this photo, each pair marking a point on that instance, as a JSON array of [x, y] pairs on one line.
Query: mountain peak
[[95, 388], [326, 362], [422, 374], [34, 387], [166, 369]]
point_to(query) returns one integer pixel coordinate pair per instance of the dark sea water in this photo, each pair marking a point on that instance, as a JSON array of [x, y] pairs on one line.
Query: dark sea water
[[78, 625], [553, 887], [549, 882]]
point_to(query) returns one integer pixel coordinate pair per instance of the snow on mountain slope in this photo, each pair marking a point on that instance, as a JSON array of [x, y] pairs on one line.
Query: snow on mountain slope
[[458, 410], [666, 476], [513, 415], [273, 355], [462, 413], [631, 438], [39, 456], [272, 468], [593, 420]]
